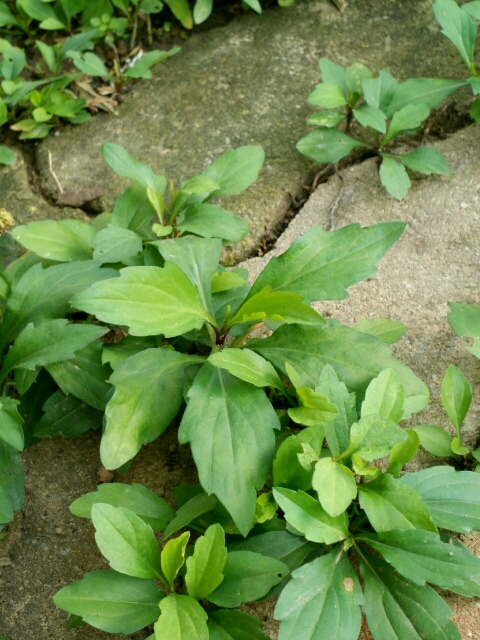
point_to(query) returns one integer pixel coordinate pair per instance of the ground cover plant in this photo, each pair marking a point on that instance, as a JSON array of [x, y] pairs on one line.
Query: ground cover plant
[[359, 111]]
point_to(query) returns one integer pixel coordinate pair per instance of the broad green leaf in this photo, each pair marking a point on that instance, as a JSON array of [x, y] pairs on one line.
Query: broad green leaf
[[384, 397], [456, 396], [279, 306], [356, 357], [320, 265], [116, 244], [115, 354], [356, 73], [234, 625], [307, 516], [173, 557], [391, 504], [429, 92], [67, 416], [127, 166], [6, 17], [397, 609], [322, 600], [229, 424], [314, 408], [394, 177], [91, 65], [44, 294], [472, 8], [371, 117], [327, 119], [248, 366], [149, 300], [458, 27], [435, 440], [422, 557], [409, 117], [202, 10], [200, 184], [111, 601], [7, 156], [425, 160], [132, 210], [210, 221], [247, 576], [63, 241], [387, 330], [378, 92], [182, 618], [136, 497], [12, 482], [335, 485], [205, 566], [337, 431], [328, 145], [148, 395], [328, 96], [287, 471], [51, 341], [373, 437], [11, 421], [236, 169], [141, 69], [192, 509], [126, 541], [453, 498], [332, 73], [465, 321]]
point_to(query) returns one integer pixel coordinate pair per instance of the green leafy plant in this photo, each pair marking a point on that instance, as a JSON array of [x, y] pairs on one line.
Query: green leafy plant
[[372, 114]]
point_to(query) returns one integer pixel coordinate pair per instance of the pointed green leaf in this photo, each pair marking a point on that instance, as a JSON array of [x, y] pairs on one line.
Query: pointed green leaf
[[116, 244], [322, 600], [67, 416], [193, 508], [314, 408], [453, 498], [173, 557], [322, 264], [426, 91], [371, 117], [148, 395], [458, 27], [287, 471], [126, 165], [337, 431], [397, 609], [136, 497], [247, 576], [307, 516], [63, 240], [403, 452], [465, 319], [409, 117], [229, 424], [149, 300], [378, 92], [456, 396], [394, 177], [126, 541], [384, 397], [335, 485], [210, 221], [387, 330], [236, 169], [332, 73], [205, 566], [391, 504], [11, 421], [472, 8], [182, 618], [372, 437], [327, 119], [111, 601], [327, 145], [328, 96], [356, 73], [435, 440], [425, 160], [234, 625], [132, 210], [248, 366]]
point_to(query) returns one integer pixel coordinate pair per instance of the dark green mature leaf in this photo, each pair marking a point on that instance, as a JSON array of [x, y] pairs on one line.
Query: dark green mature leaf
[[248, 366], [335, 485], [465, 321], [12, 482], [111, 601], [125, 165], [322, 600], [234, 625], [182, 618], [11, 423], [332, 73], [63, 240], [456, 396], [409, 117], [307, 516], [379, 91], [337, 432], [67, 416], [51, 341], [209, 221], [136, 497], [458, 27], [287, 471], [428, 91], [235, 170], [148, 395], [193, 508], [425, 160], [126, 541], [115, 354], [372, 117], [149, 300], [422, 557], [390, 505], [387, 330], [247, 576], [453, 498], [44, 294], [116, 244], [394, 177], [282, 545], [327, 145], [397, 609], [384, 397], [321, 265], [356, 357], [229, 424], [132, 210], [205, 566]]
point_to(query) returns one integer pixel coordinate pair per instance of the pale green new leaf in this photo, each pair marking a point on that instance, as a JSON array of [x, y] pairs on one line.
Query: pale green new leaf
[[205, 566], [63, 240], [387, 330], [372, 437], [91, 65], [394, 177], [236, 169], [435, 440], [173, 557], [287, 471], [322, 600], [308, 516], [148, 395], [181, 10], [403, 452], [192, 509], [149, 300], [248, 366], [425, 160], [384, 397], [314, 408], [116, 244], [111, 601], [11, 421], [234, 625], [328, 96], [458, 27], [248, 576], [126, 541], [229, 424], [127, 166], [472, 8], [337, 431], [328, 145], [456, 396], [372, 117], [182, 618], [391, 504], [335, 485]]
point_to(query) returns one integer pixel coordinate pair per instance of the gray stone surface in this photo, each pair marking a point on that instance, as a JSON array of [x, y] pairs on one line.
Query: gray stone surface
[[247, 83]]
